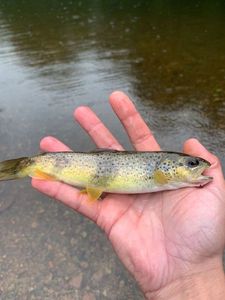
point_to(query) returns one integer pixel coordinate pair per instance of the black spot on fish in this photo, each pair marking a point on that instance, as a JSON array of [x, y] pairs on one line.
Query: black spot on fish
[[105, 171]]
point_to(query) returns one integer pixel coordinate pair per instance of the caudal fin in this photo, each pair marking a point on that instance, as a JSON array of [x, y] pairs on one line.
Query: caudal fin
[[14, 168]]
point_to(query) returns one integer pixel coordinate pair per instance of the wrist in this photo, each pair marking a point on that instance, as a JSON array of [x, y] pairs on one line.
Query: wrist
[[205, 284]]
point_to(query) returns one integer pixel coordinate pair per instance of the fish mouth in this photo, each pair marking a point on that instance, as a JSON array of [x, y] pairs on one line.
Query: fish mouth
[[203, 179]]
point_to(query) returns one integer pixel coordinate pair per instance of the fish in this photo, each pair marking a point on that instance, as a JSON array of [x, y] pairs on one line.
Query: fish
[[112, 171]]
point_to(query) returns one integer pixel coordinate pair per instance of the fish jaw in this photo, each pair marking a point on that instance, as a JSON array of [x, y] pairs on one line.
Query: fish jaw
[[201, 180]]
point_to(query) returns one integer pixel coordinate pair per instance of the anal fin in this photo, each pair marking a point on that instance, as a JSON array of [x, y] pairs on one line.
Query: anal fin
[[42, 175]]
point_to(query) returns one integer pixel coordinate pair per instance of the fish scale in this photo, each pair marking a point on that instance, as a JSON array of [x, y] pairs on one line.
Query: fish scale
[[112, 171]]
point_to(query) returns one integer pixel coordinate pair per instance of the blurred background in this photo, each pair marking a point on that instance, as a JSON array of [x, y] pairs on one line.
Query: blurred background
[[169, 56]]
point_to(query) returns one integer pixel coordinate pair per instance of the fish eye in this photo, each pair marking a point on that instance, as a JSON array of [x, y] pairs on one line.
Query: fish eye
[[193, 162]]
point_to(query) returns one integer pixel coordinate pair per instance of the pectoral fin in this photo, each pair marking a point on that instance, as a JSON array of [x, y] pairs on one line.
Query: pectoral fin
[[93, 193], [42, 175], [160, 177]]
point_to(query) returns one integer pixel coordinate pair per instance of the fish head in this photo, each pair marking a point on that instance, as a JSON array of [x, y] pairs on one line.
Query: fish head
[[182, 170]]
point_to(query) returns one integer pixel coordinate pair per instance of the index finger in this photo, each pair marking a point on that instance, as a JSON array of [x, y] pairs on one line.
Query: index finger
[[137, 130], [102, 137]]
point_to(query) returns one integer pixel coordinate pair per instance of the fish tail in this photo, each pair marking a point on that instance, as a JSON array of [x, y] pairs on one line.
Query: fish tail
[[15, 168]]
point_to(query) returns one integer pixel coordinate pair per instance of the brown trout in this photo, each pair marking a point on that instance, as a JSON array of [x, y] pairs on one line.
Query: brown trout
[[112, 171]]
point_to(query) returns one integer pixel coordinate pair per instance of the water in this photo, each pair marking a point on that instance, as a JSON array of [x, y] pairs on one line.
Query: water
[[57, 55]]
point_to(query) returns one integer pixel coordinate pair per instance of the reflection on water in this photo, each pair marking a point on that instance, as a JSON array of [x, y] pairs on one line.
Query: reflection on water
[[56, 55], [166, 56]]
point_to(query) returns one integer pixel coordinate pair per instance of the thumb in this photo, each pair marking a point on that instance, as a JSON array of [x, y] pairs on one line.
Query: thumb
[[195, 148]]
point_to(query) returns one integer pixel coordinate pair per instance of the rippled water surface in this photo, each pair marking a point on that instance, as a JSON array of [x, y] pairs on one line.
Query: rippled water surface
[[57, 55]]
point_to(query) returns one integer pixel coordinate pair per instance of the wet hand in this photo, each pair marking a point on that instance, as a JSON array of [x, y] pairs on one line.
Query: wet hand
[[164, 239]]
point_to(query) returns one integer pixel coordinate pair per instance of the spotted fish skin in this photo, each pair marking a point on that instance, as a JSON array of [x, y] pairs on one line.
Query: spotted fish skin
[[113, 171]]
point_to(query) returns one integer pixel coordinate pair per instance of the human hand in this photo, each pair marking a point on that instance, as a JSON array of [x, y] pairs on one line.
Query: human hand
[[167, 240]]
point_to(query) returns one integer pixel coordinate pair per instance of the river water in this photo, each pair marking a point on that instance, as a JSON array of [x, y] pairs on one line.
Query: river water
[[57, 55]]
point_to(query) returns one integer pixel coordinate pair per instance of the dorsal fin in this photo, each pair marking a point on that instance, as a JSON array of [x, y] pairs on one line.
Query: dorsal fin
[[104, 150]]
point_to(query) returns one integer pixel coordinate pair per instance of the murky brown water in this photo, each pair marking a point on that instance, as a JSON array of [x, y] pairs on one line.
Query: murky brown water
[[57, 55]]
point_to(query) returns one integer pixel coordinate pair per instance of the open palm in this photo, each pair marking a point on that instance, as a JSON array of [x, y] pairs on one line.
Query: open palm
[[159, 236]]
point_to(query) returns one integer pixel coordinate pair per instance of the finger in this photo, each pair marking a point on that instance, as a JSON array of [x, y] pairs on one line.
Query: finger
[[139, 133], [69, 196], [193, 147], [51, 144], [95, 128]]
